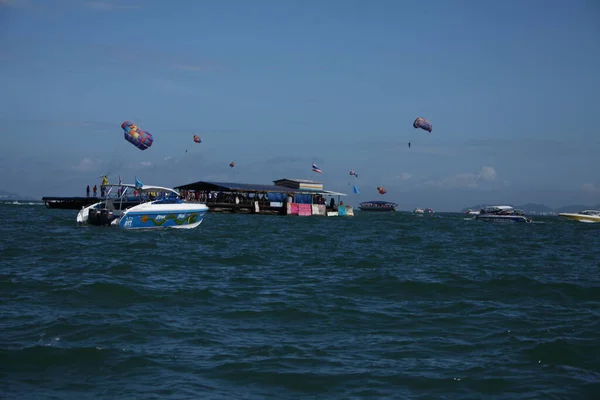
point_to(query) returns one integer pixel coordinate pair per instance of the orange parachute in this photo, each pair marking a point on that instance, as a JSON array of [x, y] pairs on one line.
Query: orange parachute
[[197, 139], [381, 190]]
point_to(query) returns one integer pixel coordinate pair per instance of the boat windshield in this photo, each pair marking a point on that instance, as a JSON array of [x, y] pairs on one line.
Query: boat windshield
[[590, 212], [168, 200]]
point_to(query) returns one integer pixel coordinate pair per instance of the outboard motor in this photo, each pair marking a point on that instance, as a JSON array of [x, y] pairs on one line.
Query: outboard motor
[[100, 217]]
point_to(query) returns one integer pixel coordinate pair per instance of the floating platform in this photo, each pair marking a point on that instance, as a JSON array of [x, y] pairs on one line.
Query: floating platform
[[69, 203], [286, 197]]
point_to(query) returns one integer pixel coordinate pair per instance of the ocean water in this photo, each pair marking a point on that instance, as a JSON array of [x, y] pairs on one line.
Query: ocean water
[[269, 307]]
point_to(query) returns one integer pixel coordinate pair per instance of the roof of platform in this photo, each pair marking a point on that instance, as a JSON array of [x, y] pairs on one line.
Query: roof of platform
[[248, 187]]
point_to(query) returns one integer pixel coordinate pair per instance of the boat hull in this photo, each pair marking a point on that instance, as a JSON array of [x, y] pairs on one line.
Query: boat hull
[[580, 217], [377, 206], [502, 218], [180, 216], [376, 209]]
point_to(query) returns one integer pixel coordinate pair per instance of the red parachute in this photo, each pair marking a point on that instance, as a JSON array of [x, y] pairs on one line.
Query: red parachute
[[197, 139]]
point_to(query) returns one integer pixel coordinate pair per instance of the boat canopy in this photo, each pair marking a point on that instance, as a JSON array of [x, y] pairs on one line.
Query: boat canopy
[[145, 188]]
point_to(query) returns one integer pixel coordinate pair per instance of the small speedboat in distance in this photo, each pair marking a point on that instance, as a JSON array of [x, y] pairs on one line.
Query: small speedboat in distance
[[588, 216], [377, 206], [501, 214]]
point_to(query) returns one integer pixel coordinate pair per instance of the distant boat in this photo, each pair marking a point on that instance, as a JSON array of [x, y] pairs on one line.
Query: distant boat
[[377, 206], [68, 203], [501, 214], [589, 216]]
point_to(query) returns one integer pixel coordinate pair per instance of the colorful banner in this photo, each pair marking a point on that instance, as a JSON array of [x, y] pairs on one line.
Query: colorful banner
[[305, 209]]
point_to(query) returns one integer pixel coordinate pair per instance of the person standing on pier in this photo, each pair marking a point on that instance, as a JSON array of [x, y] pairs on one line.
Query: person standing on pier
[[87, 191], [95, 191]]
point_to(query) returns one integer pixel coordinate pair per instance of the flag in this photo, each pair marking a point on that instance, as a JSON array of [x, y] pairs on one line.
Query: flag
[[120, 182], [355, 189], [316, 169], [138, 183]]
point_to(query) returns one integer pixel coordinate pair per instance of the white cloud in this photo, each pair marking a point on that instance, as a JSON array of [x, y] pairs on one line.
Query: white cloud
[[590, 188], [87, 165], [487, 174], [464, 180], [404, 176], [146, 163]]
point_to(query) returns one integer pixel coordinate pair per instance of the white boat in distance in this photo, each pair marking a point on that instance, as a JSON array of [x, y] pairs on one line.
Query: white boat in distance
[[158, 207], [501, 214], [588, 216]]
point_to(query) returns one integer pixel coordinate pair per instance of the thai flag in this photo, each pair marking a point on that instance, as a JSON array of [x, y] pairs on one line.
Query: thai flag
[[316, 169]]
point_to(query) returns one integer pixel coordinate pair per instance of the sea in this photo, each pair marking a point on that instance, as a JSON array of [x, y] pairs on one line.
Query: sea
[[375, 306]]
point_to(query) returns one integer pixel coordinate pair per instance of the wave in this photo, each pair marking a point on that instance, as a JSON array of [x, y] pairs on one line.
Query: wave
[[21, 203]]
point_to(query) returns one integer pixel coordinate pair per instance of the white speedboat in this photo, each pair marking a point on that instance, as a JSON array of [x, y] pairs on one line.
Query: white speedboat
[[501, 214], [418, 211], [589, 216], [155, 207], [170, 212]]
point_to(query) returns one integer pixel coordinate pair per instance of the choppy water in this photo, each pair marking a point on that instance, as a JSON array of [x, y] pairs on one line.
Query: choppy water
[[257, 307]]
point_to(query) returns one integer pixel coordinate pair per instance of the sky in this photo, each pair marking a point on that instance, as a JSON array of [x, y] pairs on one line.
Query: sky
[[511, 88]]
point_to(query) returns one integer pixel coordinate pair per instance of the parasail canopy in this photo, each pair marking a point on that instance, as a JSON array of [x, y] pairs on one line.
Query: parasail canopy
[[137, 137], [423, 124]]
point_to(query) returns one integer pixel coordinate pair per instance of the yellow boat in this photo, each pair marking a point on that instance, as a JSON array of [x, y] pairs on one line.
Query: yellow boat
[[589, 216]]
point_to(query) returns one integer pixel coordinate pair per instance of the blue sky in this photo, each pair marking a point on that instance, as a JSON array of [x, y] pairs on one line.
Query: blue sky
[[511, 88]]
